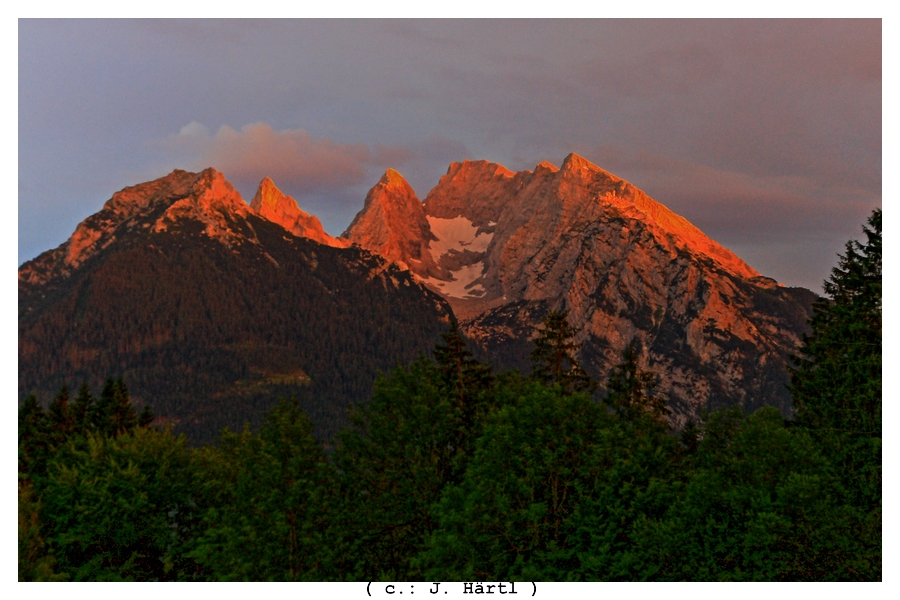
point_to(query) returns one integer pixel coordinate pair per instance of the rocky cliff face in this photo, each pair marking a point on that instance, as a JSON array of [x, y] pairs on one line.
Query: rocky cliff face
[[211, 312], [393, 224], [270, 203], [205, 197], [511, 246]]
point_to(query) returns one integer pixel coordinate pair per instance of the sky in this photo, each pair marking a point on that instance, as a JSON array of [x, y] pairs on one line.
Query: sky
[[766, 134]]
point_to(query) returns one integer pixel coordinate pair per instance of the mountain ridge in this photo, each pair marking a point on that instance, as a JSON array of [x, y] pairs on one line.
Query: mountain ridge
[[628, 270], [503, 248], [211, 312]]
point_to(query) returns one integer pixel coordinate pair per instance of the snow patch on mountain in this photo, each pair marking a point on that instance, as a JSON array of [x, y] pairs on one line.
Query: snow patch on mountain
[[456, 234], [463, 283]]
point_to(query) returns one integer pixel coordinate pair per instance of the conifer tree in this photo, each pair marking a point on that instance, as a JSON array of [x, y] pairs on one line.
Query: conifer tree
[[836, 380], [113, 413], [462, 375], [60, 414], [145, 418], [554, 359], [630, 390], [33, 443], [82, 408]]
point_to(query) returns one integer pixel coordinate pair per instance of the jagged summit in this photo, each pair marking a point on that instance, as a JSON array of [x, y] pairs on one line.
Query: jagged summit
[[272, 204], [504, 247], [206, 199], [393, 224], [212, 312], [480, 208], [394, 178]]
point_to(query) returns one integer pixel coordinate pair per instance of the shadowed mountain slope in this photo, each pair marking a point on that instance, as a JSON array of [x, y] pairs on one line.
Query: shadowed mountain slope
[[210, 312]]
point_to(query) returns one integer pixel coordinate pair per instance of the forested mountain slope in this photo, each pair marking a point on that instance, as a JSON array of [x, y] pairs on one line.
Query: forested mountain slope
[[210, 313]]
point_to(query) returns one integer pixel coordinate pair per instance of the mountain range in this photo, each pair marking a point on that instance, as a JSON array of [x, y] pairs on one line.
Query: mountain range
[[209, 308]]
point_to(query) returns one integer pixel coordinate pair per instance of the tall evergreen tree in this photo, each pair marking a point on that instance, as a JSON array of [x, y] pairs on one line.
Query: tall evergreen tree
[[82, 408], [836, 383], [34, 446], [554, 359], [630, 390], [113, 413], [464, 378], [60, 416]]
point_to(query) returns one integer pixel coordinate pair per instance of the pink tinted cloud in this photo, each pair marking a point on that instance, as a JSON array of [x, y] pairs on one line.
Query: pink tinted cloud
[[291, 157]]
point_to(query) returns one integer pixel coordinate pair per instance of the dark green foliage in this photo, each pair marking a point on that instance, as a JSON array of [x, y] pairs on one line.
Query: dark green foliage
[[393, 465], [414, 438], [836, 384], [758, 503], [35, 440], [62, 417], [532, 466], [111, 507], [81, 408], [52, 457], [554, 356], [113, 412], [35, 564], [262, 499], [464, 381]]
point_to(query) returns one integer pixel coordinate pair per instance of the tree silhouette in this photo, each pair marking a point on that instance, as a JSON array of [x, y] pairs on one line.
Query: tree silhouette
[[836, 383], [554, 359], [630, 390]]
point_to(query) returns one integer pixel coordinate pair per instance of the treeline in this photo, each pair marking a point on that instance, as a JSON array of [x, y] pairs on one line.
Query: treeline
[[454, 472]]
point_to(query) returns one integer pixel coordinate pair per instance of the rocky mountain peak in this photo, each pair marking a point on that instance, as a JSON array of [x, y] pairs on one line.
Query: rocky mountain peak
[[393, 224], [272, 204], [573, 163], [504, 248], [206, 199], [392, 178]]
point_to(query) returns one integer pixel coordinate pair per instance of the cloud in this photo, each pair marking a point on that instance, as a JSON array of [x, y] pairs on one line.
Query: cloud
[[292, 157]]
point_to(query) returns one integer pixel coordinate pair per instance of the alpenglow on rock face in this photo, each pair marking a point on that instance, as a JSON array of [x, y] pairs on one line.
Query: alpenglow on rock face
[[211, 312], [505, 248], [393, 224], [270, 203]]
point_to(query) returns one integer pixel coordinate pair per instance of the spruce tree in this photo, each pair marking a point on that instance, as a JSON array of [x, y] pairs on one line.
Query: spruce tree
[[34, 446], [554, 359], [629, 390], [82, 408], [836, 380], [463, 377], [113, 413], [60, 415], [145, 418]]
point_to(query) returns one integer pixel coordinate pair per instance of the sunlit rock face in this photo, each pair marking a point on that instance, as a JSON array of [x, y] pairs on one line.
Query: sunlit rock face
[[511, 246], [270, 203], [205, 197], [393, 224]]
